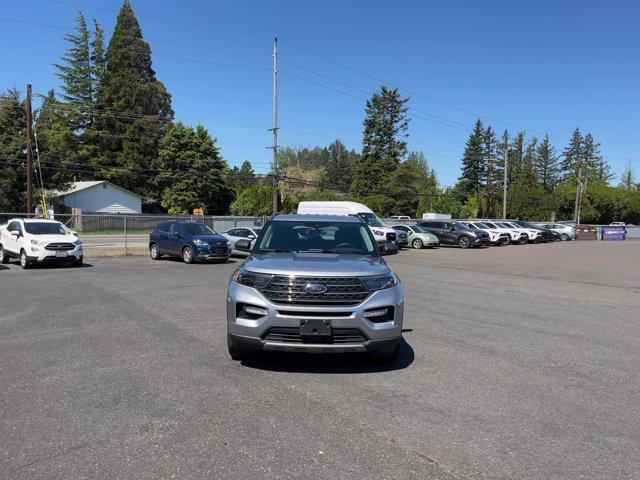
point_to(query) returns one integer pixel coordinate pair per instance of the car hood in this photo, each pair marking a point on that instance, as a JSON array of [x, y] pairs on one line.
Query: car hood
[[426, 236], [54, 238], [210, 239], [316, 264]]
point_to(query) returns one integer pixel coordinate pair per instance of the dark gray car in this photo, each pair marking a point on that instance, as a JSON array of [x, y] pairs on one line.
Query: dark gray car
[[455, 233]]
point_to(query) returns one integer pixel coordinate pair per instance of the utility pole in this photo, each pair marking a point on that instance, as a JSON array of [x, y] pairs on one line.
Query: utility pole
[[504, 183], [576, 211], [29, 153], [274, 129]]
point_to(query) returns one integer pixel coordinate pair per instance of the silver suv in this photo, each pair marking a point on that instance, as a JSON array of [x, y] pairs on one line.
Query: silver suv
[[314, 283]]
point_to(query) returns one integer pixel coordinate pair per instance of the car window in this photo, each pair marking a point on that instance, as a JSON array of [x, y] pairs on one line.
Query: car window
[[307, 236], [233, 232], [194, 228], [401, 228], [45, 228], [174, 228], [11, 227], [163, 227]]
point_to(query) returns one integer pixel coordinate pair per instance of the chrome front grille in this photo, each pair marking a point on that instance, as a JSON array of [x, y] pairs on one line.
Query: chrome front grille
[[60, 246], [291, 290]]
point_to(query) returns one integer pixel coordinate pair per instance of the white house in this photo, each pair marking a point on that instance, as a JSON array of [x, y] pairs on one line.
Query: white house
[[100, 197]]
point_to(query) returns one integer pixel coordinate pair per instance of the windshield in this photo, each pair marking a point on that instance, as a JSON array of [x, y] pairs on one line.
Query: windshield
[[491, 225], [372, 219], [481, 225], [323, 237], [197, 229], [46, 228], [508, 225], [529, 225], [460, 226], [417, 229]]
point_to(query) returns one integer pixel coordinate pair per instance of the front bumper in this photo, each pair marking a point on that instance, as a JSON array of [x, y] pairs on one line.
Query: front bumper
[[374, 336], [42, 255], [479, 242], [204, 253]]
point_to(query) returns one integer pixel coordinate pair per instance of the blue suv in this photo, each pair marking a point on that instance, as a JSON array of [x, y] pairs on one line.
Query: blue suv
[[191, 241]]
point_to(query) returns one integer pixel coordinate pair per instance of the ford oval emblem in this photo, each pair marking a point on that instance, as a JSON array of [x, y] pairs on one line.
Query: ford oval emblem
[[315, 288]]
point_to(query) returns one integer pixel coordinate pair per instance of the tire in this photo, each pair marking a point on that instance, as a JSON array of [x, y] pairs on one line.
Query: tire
[[24, 260], [78, 262], [154, 252], [235, 351], [187, 255], [464, 241], [4, 258], [417, 244], [565, 237]]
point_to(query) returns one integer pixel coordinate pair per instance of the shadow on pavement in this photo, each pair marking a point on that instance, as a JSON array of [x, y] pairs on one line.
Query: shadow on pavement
[[329, 363]]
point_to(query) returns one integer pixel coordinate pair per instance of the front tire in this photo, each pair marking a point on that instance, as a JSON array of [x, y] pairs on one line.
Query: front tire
[[154, 252], [187, 255], [417, 244], [24, 260], [464, 242], [390, 355], [78, 262], [4, 258], [565, 237]]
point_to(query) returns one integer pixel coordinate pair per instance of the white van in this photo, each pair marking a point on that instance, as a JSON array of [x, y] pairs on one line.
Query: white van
[[385, 237]]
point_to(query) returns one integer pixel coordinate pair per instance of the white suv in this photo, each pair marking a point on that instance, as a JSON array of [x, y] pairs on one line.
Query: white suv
[[38, 241]]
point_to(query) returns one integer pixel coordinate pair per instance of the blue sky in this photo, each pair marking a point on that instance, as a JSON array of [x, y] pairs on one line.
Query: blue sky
[[543, 66]]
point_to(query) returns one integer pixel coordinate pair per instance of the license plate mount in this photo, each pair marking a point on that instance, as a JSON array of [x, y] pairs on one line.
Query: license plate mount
[[61, 254], [315, 331]]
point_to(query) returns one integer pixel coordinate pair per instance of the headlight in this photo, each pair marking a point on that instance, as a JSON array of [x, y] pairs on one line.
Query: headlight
[[37, 242], [200, 243], [77, 243], [378, 233], [380, 282], [252, 279]]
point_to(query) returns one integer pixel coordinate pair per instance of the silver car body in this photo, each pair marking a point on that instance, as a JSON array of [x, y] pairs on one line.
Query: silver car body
[[292, 273], [567, 232], [241, 233]]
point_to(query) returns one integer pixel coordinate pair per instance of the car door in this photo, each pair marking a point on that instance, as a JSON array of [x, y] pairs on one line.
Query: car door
[[9, 241], [160, 236], [450, 237], [433, 227], [173, 238], [233, 236]]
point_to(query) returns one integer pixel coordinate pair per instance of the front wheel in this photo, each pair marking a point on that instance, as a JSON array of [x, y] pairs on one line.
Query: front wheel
[[417, 244], [187, 255], [78, 262], [389, 355], [4, 258], [235, 351], [565, 237], [464, 242], [24, 260], [154, 252]]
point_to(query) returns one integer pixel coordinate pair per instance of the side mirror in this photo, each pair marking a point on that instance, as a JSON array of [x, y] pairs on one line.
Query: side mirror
[[15, 233], [251, 237], [453, 229], [74, 232], [243, 245]]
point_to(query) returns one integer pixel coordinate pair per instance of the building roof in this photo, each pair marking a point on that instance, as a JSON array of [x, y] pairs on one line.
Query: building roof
[[78, 186]]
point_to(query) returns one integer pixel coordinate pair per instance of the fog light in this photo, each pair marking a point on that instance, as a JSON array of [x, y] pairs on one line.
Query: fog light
[[263, 312], [375, 313]]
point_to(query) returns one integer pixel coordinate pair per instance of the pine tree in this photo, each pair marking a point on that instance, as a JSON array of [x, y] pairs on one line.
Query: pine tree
[[124, 143], [502, 148], [12, 147], [627, 179], [383, 142], [597, 167], [340, 166], [191, 172], [472, 177], [243, 177], [546, 165], [98, 58], [525, 196], [573, 156], [490, 149], [58, 146], [75, 71], [516, 154]]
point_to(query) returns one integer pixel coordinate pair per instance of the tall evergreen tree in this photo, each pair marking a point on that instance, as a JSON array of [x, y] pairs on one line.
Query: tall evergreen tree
[[597, 167], [192, 174], [12, 147], [628, 179], [490, 150], [98, 58], [573, 155], [472, 176], [525, 196], [125, 141], [75, 71], [243, 177], [57, 145], [546, 164], [502, 148], [340, 166], [383, 141], [516, 155]]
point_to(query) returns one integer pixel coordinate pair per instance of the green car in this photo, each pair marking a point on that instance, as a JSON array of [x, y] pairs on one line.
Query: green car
[[418, 237]]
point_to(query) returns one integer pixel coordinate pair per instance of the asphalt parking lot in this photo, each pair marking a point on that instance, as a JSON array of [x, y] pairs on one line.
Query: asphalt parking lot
[[519, 362]]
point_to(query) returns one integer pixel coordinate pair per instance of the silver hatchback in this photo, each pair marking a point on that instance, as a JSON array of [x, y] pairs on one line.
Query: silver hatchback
[[317, 284]]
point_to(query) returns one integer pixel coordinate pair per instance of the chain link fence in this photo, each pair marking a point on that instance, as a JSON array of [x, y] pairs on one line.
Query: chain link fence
[[130, 231]]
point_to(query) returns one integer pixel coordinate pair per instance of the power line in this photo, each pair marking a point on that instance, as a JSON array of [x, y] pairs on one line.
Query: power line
[[161, 19], [152, 40]]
